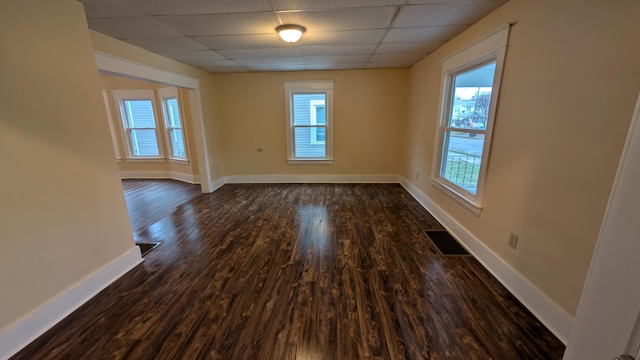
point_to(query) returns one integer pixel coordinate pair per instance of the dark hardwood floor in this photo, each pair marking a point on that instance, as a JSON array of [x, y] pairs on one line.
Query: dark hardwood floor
[[274, 271], [151, 200]]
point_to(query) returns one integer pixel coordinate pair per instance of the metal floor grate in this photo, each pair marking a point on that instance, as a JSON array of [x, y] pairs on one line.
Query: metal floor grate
[[446, 244], [146, 247]]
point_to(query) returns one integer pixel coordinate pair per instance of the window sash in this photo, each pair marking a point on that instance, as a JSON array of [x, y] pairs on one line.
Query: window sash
[[303, 146], [309, 149], [143, 146]]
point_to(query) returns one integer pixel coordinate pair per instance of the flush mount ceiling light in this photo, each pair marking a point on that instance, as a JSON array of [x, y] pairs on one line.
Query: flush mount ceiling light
[[290, 32]]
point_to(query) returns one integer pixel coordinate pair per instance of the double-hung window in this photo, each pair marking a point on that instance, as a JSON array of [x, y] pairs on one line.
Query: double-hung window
[[174, 127], [137, 112], [309, 121], [470, 86]]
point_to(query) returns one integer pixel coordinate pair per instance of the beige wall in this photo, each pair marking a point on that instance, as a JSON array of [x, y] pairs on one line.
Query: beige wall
[[62, 210], [108, 45], [369, 113], [112, 82], [571, 78]]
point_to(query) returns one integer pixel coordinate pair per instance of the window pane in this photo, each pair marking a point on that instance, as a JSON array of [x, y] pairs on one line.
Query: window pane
[[321, 134], [177, 143], [471, 98], [320, 115], [144, 143], [304, 147], [140, 114], [302, 107], [461, 159], [174, 113]]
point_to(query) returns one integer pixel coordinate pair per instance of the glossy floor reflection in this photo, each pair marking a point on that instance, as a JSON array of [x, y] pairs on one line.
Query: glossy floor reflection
[[151, 200], [271, 271]]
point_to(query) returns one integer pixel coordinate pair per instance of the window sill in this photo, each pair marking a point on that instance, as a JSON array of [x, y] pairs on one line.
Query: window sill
[[310, 162], [179, 161], [463, 200], [145, 159]]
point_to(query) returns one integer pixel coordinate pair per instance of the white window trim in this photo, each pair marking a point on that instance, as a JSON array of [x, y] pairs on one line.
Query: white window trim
[[314, 104], [492, 47], [306, 87], [165, 94], [120, 96]]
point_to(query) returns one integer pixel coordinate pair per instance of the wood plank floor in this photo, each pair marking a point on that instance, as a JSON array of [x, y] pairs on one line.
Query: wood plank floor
[[273, 271], [151, 200]]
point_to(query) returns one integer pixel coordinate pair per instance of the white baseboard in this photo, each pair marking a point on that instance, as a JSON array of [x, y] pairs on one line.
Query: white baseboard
[[556, 319], [217, 184], [26, 330], [191, 179], [304, 179]]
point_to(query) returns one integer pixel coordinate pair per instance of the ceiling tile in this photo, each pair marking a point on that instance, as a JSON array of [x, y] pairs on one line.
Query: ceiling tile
[[330, 4], [217, 66], [259, 53], [418, 47], [167, 44], [277, 67], [228, 70], [451, 13], [110, 8], [353, 37], [273, 61], [217, 63], [132, 27], [495, 2], [225, 62], [336, 50], [390, 65], [420, 34], [242, 41], [319, 60], [397, 57], [173, 7], [343, 19], [223, 24], [412, 2], [346, 66], [192, 55]]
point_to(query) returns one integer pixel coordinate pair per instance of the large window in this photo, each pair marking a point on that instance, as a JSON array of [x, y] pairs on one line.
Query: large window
[[470, 85], [309, 121], [173, 124], [139, 123]]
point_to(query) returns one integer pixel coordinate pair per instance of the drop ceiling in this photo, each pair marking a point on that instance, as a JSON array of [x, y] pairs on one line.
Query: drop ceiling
[[223, 36]]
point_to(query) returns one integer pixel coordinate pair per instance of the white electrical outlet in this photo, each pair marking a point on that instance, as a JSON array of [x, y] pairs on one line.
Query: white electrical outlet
[[513, 240]]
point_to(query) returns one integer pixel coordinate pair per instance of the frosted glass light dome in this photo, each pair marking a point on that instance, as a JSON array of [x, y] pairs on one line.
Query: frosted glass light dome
[[290, 32]]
